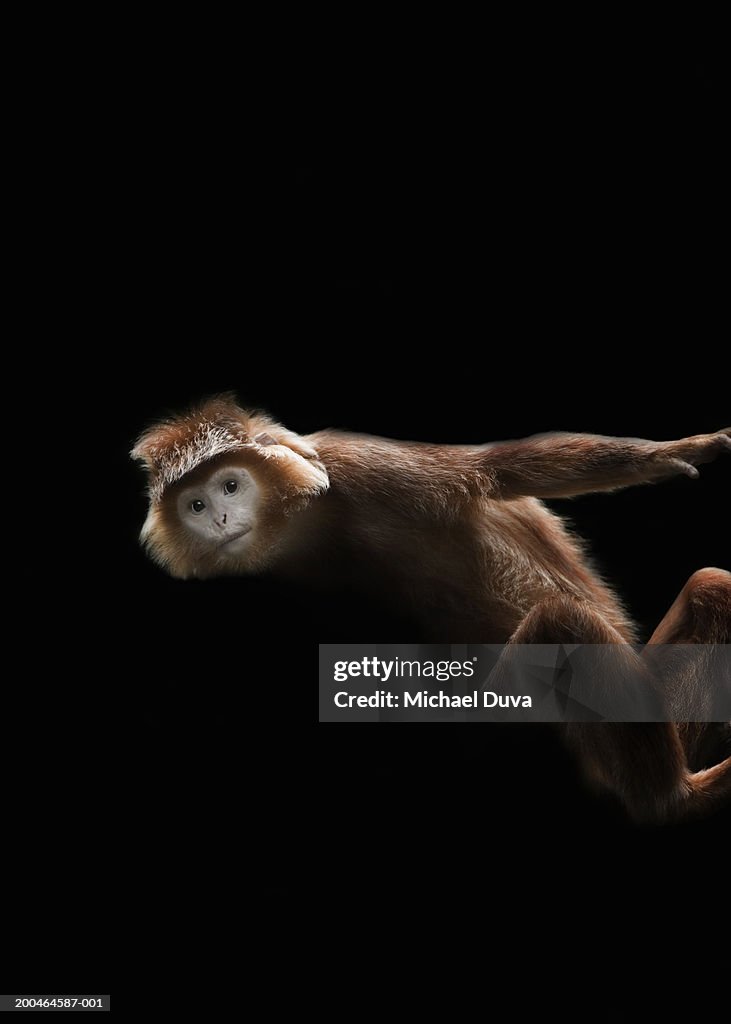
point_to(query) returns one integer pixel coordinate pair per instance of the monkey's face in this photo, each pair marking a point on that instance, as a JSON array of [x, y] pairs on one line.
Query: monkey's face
[[219, 511], [226, 488]]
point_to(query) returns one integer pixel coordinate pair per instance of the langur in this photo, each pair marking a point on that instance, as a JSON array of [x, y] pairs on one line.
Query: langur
[[458, 537]]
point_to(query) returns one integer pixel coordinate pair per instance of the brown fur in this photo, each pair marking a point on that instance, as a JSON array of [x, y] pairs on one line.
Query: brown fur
[[457, 535]]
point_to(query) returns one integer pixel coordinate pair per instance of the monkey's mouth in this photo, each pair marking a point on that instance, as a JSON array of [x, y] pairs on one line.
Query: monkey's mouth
[[236, 536]]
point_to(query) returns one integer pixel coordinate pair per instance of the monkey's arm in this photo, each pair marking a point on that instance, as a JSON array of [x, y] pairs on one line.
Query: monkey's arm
[[563, 465]]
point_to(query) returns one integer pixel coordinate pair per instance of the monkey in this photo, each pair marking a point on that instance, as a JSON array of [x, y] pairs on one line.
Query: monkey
[[460, 536]]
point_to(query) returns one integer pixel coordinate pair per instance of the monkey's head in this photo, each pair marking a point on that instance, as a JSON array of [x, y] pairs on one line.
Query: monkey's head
[[223, 485]]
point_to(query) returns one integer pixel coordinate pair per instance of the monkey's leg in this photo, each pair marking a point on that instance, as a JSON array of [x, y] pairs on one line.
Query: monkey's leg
[[562, 465], [642, 763], [700, 621], [701, 613]]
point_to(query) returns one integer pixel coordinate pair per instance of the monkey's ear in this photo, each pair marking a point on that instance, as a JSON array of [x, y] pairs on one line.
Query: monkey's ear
[[149, 447], [288, 462], [266, 432], [264, 439], [143, 450]]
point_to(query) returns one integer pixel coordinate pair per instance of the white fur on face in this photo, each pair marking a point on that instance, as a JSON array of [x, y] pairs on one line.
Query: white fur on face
[[221, 511]]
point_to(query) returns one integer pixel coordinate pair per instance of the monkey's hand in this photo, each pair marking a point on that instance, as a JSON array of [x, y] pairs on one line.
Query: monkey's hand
[[671, 457]]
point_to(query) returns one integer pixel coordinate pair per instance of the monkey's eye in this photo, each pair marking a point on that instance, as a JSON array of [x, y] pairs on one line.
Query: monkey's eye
[[197, 506], [230, 487]]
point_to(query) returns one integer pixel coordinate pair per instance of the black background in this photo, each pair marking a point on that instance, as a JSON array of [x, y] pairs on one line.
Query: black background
[[455, 259], [450, 274]]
